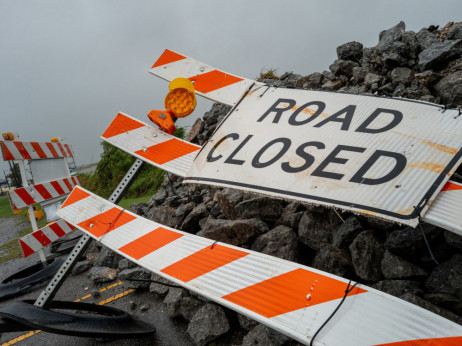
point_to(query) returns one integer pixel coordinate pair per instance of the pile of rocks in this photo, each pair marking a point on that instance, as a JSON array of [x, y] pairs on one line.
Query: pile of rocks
[[426, 66]]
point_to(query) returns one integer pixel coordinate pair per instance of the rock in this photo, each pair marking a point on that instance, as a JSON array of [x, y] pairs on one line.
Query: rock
[[344, 235], [402, 75], [102, 274], [350, 51], [108, 258], [411, 298], [132, 305], [164, 215], [439, 53], [262, 335], [315, 229], [81, 267], [453, 240], [189, 306], [332, 85], [407, 242], [393, 59], [208, 323], [394, 267], [410, 39], [450, 88], [371, 78], [157, 287], [425, 39], [335, 261], [428, 78], [234, 232], [366, 254], [387, 37], [264, 208], [139, 209], [195, 129], [246, 323], [399, 287], [126, 264], [455, 32], [227, 200], [279, 242], [399, 91], [158, 198], [312, 81], [447, 277], [145, 307], [172, 301], [446, 301], [131, 277], [96, 294], [343, 67], [191, 222], [92, 257], [359, 73]]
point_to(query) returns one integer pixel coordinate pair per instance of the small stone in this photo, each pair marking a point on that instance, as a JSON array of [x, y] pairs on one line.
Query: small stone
[[96, 293], [137, 278], [280, 242], [132, 305], [102, 274], [145, 307], [394, 267], [234, 232], [332, 85], [350, 51], [402, 75], [366, 253], [81, 267], [439, 53]]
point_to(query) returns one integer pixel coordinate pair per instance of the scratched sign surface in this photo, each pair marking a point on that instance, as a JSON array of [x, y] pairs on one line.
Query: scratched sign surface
[[380, 156]]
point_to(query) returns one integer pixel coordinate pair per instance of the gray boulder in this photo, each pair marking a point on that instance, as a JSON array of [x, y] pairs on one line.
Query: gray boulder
[[447, 277], [234, 232], [137, 278], [402, 75], [266, 209], [455, 32], [388, 37], [366, 254], [102, 274], [450, 88], [394, 267], [156, 287], [439, 53], [262, 335], [108, 258], [335, 261], [426, 38], [191, 222], [208, 323], [227, 200], [315, 229], [350, 51], [399, 287], [280, 242], [344, 235]]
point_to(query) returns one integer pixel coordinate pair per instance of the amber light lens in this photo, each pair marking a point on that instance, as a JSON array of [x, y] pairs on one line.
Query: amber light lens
[[181, 102]]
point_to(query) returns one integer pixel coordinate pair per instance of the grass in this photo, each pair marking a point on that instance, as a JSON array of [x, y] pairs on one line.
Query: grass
[[127, 202], [5, 208], [11, 249]]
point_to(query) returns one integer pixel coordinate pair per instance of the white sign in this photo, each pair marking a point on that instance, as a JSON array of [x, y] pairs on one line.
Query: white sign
[[381, 156]]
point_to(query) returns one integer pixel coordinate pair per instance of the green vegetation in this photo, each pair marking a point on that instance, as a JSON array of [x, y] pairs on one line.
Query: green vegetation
[[127, 202], [5, 208], [268, 74], [112, 167]]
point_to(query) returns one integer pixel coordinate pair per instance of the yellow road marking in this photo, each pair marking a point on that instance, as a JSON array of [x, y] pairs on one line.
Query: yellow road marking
[[103, 302]]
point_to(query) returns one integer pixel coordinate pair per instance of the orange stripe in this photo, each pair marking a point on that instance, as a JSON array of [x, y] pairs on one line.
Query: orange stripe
[[167, 57], [450, 341], [450, 186], [26, 249], [75, 196], [60, 146], [22, 150], [149, 242], [7, 155], [202, 262], [213, 80], [121, 124], [106, 222], [38, 150], [167, 151], [52, 149], [69, 186], [288, 292], [69, 152]]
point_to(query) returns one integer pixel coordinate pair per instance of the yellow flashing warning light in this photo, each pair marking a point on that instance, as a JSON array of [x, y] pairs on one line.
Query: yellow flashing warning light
[[56, 139], [8, 136], [179, 103], [181, 99]]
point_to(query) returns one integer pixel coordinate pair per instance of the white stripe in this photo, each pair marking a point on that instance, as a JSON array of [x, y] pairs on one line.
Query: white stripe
[[14, 151], [30, 150], [46, 150]]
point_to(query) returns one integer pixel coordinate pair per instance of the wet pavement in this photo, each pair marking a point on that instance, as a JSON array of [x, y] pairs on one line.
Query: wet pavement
[[10, 227]]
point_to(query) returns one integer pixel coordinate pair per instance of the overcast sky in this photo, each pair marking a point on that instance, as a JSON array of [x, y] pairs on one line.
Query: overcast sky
[[67, 67]]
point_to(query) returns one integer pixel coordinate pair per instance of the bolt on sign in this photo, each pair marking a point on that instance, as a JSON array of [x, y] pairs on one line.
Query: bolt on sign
[[379, 156]]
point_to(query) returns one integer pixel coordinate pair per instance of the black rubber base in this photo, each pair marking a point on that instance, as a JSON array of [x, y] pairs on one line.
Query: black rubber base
[[62, 246], [29, 278], [89, 320]]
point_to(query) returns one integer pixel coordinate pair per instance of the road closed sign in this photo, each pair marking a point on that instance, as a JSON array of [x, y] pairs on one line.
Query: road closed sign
[[379, 156]]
